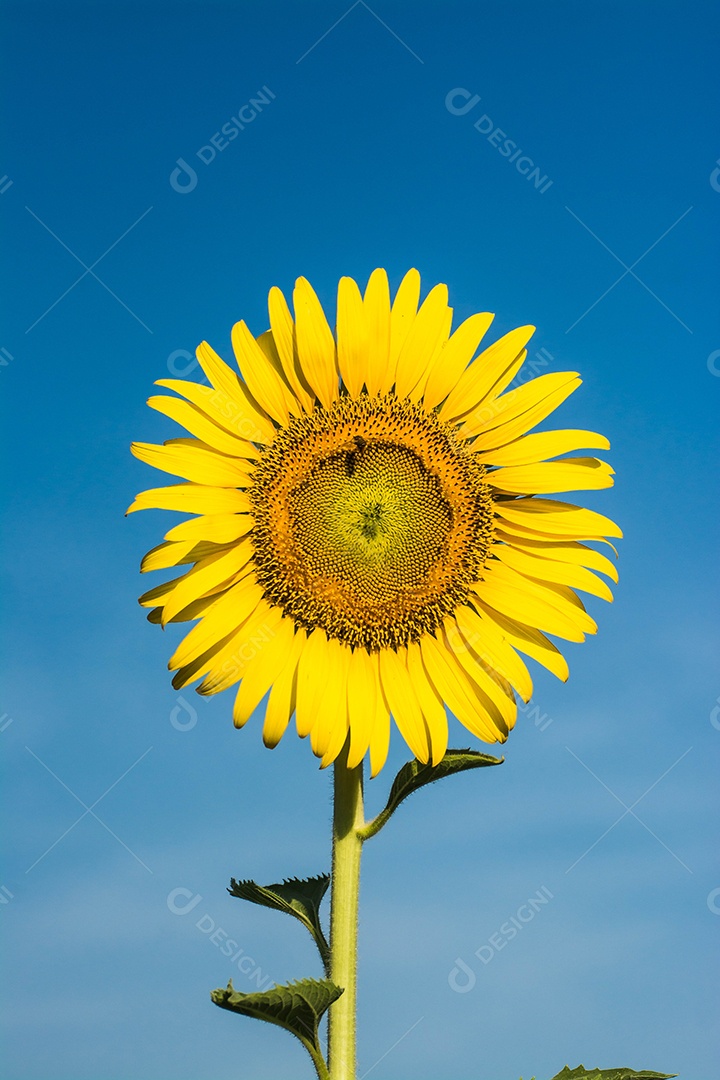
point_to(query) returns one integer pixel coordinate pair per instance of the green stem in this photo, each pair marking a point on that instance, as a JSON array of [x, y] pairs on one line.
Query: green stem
[[347, 846], [317, 1059]]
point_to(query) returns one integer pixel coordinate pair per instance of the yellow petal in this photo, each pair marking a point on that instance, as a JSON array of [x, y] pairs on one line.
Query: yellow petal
[[527, 640], [362, 704], [165, 555], [283, 332], [567, 552], [558, 596], [506, 418], [380, 737], [237, 415], [193, 611], [212, 528], [548, 477], [217, 653], [417, 393], [487, 376], [400, 696], [576, 577], [200, 666], [519, 598], [545, 444], [195, 463], [455, 689], [450, 362], [330, 732], [281, 700], [192, 499], [315, 343], [232, 396], [311, 673], [199, 424], [402, 316], [206, 575], [227, 615], [180, 553], [269, 660], [431, 704], [425, 335], [151, 597], [488, 643], [352, 335], [558, 519], [231, 663], [522, 532], [196, 608], [499, 700], [266, 342], [264, 383], [331, 704], [376, 304]]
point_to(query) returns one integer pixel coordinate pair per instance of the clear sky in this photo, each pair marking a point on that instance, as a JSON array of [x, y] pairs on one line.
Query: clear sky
[[377, 138]]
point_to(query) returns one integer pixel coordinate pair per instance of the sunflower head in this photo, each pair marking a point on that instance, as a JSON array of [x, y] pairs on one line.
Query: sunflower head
[[371, 537]]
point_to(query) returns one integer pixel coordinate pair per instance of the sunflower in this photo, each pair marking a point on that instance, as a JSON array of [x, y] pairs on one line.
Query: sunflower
[[371, 537]]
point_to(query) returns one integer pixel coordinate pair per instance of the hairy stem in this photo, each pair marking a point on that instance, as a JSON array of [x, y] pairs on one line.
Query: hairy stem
[[347, 846]]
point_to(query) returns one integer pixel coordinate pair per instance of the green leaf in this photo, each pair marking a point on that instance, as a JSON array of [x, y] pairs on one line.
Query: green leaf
[[297, 1007], [415, 775], [581, 1073], [300, 898]]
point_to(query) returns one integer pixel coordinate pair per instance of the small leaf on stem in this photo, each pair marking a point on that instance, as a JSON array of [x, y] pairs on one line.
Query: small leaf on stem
[[415, 775], [298, 897], [581, 1073], [297, 1007]]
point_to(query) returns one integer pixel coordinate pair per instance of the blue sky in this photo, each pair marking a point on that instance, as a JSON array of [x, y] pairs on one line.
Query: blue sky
[[369, 148]]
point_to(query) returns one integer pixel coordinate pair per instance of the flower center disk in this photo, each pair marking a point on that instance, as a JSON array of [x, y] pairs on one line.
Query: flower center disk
[[371, 521]]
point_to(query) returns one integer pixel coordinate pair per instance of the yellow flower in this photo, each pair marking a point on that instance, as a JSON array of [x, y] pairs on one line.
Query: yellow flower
[[369, 541]]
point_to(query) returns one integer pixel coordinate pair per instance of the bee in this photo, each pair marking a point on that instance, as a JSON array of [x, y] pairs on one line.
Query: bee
[[352, 447]]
